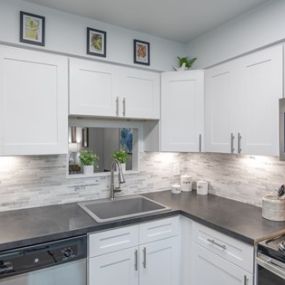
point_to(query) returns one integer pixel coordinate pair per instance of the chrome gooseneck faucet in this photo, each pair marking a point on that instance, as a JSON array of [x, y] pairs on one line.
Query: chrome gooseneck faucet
[[121, 179]]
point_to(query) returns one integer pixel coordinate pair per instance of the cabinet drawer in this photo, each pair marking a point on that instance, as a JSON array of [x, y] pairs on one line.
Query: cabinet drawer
[[159, 229], [113, 240], [229, 248], [211, 269]]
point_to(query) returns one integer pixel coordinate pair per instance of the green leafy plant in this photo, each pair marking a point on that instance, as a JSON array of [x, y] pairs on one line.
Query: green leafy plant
[[87, 157], [186, 61], [121, 156]]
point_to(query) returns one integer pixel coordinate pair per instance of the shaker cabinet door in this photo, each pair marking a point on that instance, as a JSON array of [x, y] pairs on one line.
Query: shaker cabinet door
[[139, 94], [114, 268], [209, 268], [182, 111], [219, 108], [159, 262], [258, 103], [33, 102], [93, 89]]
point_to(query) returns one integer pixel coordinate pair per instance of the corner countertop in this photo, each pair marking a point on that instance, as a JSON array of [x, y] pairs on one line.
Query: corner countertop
[[26, 227]]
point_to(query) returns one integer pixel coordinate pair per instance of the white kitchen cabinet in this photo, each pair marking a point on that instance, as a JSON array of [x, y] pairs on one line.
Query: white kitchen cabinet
[[182, 111], [241, 114], [219, 108], [114, 268], [147, 253], [33, 102], [107, 90], [258, 102], [140, 93], [209, 268], [93, 88], [159, 262]]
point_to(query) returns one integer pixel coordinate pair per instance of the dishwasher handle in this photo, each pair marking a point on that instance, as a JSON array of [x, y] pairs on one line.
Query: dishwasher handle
[[272, 265]]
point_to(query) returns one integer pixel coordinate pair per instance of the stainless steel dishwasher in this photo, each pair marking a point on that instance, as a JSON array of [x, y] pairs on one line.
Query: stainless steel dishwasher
[[53, 263]]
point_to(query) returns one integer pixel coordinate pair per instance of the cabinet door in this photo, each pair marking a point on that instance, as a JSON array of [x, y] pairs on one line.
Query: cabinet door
[[159, 263], [219, 108], [182, 111], [33, 102], [258, 118], [114, 268], [209, 268], [93, 88], [140, 94]]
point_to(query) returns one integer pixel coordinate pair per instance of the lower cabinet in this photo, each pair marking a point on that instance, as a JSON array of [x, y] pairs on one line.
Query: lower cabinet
[[114, 268], [159, 262], [170, 251], [209, 268], [155, 258]]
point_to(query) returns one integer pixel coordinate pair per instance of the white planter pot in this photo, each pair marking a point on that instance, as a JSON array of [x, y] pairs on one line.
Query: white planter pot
[[88, 169], [123, 167]]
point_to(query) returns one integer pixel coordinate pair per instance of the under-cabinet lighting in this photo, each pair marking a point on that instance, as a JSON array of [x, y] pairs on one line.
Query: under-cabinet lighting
[[8, 163]]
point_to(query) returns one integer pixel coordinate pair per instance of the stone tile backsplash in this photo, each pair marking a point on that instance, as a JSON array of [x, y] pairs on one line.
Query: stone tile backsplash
[[42, 180]]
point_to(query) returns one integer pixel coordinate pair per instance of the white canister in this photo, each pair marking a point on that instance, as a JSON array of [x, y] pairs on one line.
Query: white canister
[[175, 189], [202, 187], [186, 183], [273, 208]]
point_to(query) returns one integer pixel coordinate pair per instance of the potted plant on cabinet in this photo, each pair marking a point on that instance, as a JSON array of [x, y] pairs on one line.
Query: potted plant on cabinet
[[185, 63], [89, 160], [122, 157]]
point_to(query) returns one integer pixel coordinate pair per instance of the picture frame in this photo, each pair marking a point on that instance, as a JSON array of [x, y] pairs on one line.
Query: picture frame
[[141, 52], [96, 42], [32, 29]]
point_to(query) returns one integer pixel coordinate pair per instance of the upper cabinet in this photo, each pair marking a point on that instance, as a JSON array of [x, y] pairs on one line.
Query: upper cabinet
[[33, 102], [261, 89], [219, 106], [106, 90], [242, 104], [93, 89], [182, 111], [140, 93]]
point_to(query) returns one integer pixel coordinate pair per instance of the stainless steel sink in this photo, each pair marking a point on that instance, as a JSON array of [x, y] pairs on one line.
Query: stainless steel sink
[[112, 210]]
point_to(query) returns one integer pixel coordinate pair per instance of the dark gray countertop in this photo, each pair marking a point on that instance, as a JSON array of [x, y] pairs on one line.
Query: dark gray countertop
[[239, 220], [30, 226]]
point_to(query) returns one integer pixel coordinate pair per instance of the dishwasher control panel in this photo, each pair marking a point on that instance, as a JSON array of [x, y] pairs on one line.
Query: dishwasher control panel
[[43, 255]]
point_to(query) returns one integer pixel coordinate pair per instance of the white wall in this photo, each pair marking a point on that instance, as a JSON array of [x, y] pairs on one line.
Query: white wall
[[66, 33], [256, 29]]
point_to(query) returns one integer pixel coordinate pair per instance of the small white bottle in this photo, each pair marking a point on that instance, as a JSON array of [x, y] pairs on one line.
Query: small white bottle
[[186, 183], [175, 189], [202, 187]]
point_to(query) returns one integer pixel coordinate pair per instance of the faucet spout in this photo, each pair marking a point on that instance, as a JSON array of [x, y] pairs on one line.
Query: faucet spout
[[113, 189]]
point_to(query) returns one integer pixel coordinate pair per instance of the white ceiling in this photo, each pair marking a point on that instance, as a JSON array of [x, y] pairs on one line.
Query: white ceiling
[[180, 20]]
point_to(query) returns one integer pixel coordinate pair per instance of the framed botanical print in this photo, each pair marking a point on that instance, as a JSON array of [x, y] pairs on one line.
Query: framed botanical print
[[141, 52], [32, 29], [96, 42]]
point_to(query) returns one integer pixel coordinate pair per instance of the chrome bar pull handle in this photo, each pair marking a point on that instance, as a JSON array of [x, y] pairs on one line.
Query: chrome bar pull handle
[[136, 260], [200, 143], [222, 246], [117, 106], [124, 107], [144, 257], [232, 143], [239, 143]]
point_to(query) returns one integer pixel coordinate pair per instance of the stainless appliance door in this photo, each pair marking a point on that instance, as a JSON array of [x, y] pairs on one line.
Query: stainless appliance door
[[282, 128], [72, 273], [270, 271]]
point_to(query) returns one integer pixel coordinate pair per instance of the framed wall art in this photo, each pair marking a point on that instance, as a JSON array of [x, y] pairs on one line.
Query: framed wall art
[[32, 29], [96, 42], [141, 52]]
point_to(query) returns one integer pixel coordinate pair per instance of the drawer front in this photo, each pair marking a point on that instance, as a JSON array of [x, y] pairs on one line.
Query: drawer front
[[113, 240], [228, 248], [159, 229]]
